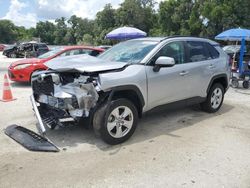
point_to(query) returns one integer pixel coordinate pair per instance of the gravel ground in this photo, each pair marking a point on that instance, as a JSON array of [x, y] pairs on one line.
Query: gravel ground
[[170, 148]]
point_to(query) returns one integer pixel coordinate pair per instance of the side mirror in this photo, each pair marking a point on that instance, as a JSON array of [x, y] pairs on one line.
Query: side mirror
[[163, 61]]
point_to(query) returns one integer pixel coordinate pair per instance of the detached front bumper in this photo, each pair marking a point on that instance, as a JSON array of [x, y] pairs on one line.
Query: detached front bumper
[[40, 125]]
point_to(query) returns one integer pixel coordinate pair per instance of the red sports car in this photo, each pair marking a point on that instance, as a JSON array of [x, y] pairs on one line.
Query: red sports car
[[21, 71]]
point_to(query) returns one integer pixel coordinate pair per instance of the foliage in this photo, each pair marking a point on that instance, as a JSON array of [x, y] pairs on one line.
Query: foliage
[[87, 40], [8, 32], [45, 31], [204, 18]]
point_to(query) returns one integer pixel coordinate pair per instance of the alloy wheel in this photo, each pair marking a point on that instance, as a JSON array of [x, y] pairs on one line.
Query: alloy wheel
[[120, 121], [216, 98]]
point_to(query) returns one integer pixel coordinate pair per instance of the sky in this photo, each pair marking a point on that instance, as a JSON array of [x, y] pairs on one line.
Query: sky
[[28, 12]]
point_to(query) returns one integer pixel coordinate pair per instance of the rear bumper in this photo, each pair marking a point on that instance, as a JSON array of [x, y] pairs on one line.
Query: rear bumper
[[40, 125]]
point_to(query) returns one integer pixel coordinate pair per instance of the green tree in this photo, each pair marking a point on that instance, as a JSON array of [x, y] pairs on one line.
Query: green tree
[[195, 23], [86, 26], [78, 27], [8, 32], [87, 40], [220, 15], [166, 11], [45, 31], [74, 30], [24, 34], [60, 31], [174, 16], [106, 18], [134, 13]]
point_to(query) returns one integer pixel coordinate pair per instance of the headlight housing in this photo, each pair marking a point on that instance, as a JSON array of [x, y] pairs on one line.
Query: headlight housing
[[23, 66]]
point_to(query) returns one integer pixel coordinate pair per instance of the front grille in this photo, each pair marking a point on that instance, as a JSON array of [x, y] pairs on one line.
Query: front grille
[[50, 115], [43, 87]]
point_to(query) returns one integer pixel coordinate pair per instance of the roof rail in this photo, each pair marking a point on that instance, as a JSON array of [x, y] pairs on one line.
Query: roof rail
[[175, 36]]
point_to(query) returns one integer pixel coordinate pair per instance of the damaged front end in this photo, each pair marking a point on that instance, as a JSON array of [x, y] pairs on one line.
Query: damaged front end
[[60, 97]]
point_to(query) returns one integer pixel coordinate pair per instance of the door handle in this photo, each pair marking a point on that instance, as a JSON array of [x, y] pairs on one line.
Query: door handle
[[183, 73], [211, 66]]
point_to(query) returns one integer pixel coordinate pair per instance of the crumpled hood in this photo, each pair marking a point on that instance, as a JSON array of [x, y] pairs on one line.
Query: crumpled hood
[[83, 63]]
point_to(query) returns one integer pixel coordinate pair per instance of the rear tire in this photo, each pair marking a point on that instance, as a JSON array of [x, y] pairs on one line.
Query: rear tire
[[115, 122], [246, 84], [214, 99]]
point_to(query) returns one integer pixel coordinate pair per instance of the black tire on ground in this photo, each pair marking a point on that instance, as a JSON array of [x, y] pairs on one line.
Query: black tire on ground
[[85, 123], [235, 83], [104, 115], [211, 105], [245, 84]]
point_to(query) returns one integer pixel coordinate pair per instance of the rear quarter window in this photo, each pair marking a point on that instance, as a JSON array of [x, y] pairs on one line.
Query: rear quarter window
[[212, 51], [85, 51], [42, 46], [201, 51]]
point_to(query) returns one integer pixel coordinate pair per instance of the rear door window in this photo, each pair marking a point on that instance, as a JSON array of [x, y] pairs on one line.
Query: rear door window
[[90, 52], [79, 51], [85, 51], [94, 53], [75, 52], [197, 51]]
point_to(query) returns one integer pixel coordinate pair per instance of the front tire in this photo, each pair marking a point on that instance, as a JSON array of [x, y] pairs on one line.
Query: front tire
[[234, 83], [214, 99], [115, 122]]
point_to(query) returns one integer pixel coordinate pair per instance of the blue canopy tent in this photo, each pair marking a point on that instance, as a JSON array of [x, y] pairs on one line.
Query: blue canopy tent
[[123, 33], [237, 34]]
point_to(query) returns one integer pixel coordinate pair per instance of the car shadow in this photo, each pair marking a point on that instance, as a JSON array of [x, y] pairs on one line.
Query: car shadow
[[161, 121], [242, 91], [20, 84]]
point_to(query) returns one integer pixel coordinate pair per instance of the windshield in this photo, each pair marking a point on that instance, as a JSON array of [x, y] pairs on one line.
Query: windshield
[[9, 47], [50, 53], [130, 51]]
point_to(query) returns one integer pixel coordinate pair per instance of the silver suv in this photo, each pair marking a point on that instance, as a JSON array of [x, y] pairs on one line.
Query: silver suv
[[113, 90]]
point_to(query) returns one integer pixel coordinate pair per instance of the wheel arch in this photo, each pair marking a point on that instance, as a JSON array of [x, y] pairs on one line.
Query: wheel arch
[[222, 79], [131, 93]]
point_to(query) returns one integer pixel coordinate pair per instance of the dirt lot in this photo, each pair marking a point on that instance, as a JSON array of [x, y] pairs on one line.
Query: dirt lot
[[170, 148]]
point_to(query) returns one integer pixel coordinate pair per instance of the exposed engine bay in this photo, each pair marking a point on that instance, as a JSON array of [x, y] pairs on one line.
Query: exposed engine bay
[[64, 96]]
